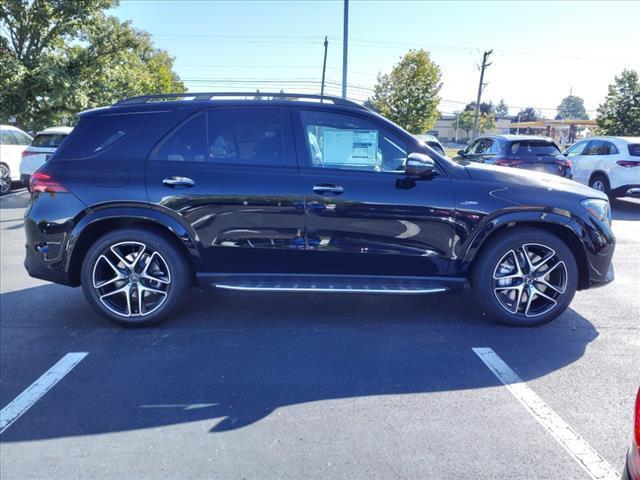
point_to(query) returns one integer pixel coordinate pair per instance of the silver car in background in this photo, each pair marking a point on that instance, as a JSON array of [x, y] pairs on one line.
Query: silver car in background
[[42, 147]]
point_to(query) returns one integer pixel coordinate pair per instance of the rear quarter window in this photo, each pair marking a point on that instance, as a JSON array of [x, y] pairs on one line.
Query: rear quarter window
[[634, 150], [97, 133]]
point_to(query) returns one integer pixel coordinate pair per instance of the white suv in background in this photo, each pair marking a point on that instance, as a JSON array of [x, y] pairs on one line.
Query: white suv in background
[[41, 148], [12, 142], [608, 164]]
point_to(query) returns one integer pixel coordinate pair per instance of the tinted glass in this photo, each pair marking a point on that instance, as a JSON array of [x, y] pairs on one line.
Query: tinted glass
[[484, 146], [342, 141], [533, 147], [93, 135], [577, 149], [48, 140], [21, 138], [600, 147], [634, 150], [437, 148], [187, 144], [246, 136], [7, 138]]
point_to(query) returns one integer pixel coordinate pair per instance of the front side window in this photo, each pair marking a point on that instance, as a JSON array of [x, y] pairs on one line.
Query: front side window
[[340, 141], [484, 146], [577, 149], [7, 138]]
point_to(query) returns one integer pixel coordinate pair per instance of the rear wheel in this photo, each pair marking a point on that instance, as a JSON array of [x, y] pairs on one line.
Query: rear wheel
[[134, 277], [525, 277], [5, 179], [600, 183]]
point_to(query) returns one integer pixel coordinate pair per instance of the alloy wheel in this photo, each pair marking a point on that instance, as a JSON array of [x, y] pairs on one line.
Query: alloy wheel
[[529, 280], [5, 179], [598, 185], [131, 279]]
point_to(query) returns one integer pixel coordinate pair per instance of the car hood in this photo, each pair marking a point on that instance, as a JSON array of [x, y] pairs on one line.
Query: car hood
[[513, 177]]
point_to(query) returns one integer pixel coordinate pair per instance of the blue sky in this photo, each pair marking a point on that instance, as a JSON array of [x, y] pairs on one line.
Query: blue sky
[[541, 49]]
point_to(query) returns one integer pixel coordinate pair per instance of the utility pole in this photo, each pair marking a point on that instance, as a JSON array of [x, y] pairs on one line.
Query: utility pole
[[457, 117], [324, 66], [485, 57], [345, 44]]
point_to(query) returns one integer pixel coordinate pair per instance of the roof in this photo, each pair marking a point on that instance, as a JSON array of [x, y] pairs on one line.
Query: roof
[[9, 127], [62, 130], [516, 138], [427, 138], [613, 137]]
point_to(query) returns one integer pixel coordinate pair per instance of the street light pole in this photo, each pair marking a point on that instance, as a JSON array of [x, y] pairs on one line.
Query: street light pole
[[345, 44]]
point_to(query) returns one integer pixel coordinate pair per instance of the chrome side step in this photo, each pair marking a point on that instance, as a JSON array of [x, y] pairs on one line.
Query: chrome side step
[[331, 288]]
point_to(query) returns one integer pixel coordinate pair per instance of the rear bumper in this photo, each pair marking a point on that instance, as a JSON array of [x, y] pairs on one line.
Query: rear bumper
[[25, 179], [36, 267]]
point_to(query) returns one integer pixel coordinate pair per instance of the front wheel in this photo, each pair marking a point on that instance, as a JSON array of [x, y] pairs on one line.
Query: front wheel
[[134, 277], [525, 277]]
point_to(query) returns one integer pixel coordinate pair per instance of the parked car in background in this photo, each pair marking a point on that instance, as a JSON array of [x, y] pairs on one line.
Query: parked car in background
[[433, 142], [608, 164], [42, 147], [519, 151], [12, 142], [632, 468], [145, 199]]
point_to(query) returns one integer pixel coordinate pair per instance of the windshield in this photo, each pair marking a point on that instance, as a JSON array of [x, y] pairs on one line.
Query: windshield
[[534, 147]]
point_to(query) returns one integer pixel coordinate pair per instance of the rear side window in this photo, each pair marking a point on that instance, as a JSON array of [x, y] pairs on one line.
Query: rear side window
[[634, 150], [7, 138], [93, 135], [533, 147], [48, 140], [187, 143], [246, 136], [600, 147], [21, 138]]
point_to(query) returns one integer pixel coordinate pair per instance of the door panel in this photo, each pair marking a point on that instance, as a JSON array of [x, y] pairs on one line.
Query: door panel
[[240, 193], [382, 224]]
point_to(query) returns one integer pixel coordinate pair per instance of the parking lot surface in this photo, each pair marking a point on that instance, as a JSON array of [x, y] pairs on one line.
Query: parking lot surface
[[263, 385]]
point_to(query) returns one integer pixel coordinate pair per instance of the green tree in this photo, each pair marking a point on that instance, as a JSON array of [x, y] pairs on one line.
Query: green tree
[[486, 121], [620, 112], [408, 95], [485, 107], [572, 107], [502, 110], [63, 56]]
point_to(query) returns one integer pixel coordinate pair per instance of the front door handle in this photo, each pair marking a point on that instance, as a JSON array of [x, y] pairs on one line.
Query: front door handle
[[327, 189], [177, 182]]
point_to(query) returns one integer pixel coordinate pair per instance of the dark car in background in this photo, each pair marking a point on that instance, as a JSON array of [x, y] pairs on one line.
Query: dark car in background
[[299, 193], [526, 152]]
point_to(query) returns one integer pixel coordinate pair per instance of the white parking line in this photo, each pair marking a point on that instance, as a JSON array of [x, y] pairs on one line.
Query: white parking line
[[7, 195], [590, 460], [37, 389]]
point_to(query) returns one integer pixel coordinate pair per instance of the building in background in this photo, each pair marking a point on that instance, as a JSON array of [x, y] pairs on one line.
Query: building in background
[[445, 129]]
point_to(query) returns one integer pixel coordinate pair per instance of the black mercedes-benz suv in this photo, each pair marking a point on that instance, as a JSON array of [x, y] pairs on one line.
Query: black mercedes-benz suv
[[290, 192]]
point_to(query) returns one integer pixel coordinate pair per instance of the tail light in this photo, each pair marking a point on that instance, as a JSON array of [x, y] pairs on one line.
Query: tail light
[[43, 182], [628, 163], [634, 453], [508, 162], [27, 153]]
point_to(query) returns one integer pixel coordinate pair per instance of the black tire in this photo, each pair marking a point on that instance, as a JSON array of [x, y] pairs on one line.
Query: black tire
[[501, 299], [5, 179], [600, 182], [171, 276]]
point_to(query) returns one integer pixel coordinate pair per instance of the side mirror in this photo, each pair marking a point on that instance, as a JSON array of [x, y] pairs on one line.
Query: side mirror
[[419, 165], [461, 152]]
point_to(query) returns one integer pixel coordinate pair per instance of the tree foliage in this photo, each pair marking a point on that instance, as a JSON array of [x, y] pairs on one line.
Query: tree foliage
[[572, 107], [528, 114], [620, 112], [60, 57], [502, 110], [486, 108], [486, 121], [408, 95]]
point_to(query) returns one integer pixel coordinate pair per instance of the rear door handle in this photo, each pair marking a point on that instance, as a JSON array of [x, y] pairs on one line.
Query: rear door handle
[[326, 189], [177, 182]]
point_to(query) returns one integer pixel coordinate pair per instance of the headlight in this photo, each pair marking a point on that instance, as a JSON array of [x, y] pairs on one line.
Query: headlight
[[598, 208]]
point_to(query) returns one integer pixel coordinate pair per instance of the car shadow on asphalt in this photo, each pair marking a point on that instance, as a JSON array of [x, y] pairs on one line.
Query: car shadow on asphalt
[[231, 359], [625, 209]]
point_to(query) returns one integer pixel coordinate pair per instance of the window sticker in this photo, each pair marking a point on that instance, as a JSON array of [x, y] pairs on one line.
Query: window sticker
[[350, 147]]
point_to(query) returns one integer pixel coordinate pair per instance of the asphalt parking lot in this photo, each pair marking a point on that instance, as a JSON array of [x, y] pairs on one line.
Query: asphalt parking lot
[[250, 385]]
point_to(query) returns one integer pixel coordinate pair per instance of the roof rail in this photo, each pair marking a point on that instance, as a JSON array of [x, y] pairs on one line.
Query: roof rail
[[203, 96]]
